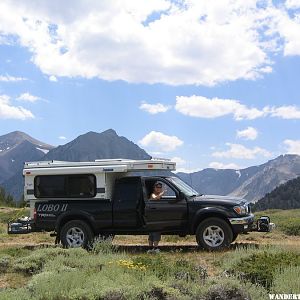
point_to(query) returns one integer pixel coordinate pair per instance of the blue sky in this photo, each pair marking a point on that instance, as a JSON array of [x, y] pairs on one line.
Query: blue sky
[[207, 84]]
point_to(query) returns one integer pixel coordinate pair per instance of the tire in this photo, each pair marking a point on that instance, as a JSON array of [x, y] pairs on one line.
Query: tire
[[214, 234], [234, 237], [75, 234]]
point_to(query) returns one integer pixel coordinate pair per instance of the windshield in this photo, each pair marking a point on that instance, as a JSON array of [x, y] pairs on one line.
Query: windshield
[[183, 187]]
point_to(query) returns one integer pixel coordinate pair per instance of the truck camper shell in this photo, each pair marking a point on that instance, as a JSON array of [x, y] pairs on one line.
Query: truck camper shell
[[102, 173]]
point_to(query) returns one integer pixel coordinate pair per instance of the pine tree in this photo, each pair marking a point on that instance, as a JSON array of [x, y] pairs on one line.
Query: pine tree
[[286, 196]]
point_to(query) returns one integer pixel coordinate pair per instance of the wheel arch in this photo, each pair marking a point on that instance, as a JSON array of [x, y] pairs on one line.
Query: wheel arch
[[64, 219], [209, 213]]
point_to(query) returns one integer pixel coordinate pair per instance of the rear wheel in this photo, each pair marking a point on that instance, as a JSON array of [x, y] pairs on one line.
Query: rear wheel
[[214, 234], [75, 234]]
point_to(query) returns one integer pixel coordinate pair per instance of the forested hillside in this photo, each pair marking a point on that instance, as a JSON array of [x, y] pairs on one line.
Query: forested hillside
[[286, 196]]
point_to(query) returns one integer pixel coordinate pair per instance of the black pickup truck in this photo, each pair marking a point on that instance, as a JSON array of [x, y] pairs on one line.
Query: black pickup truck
[[216, 221]]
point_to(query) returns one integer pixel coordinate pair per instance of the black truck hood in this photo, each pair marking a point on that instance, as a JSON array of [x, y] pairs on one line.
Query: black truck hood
[[220, 200]]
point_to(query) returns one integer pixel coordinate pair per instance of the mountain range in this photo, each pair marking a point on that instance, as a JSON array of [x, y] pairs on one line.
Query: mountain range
[[251, 183]]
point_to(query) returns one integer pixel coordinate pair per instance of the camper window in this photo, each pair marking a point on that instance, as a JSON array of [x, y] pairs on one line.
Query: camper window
[[65, 186]]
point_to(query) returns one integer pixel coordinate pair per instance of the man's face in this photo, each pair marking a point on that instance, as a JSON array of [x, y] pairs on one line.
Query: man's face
[[158, 188]]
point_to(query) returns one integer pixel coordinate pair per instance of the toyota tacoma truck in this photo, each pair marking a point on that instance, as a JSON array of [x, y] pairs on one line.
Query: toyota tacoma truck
[[78, 201]]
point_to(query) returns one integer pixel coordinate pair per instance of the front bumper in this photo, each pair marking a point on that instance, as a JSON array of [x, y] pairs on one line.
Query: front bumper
[[242, 224], [242, 221], [247, 223]]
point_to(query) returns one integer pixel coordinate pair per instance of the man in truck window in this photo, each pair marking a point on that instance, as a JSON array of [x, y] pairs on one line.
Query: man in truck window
[[154, 237]]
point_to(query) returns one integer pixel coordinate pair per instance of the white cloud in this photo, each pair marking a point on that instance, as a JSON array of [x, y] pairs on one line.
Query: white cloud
[[294, 4], [285, 112], [160, 142], [202, 107], [188, 42], [241, 152], [287, 25], [154, 108], [219, 165], [187, 170], [7, 111], [28, 98], [53, 78], [179, 161], [8, 78], [292, 146], [62, 137], [249, 133], [184, 166]]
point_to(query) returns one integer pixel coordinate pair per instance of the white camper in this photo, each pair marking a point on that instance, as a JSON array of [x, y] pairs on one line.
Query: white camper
[[93, 179]]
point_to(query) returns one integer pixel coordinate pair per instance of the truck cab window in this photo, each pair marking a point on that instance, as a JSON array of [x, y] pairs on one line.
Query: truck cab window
[[168, 194]]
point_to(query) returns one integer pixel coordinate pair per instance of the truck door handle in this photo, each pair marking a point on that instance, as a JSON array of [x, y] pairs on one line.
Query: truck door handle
[[153, 208]]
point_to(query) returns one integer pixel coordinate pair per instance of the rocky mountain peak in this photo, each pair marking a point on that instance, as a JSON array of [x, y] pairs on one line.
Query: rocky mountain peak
[[10, 141], [93, 145]]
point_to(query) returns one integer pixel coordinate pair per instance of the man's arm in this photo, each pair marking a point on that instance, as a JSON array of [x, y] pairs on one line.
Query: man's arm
[[156, 197]]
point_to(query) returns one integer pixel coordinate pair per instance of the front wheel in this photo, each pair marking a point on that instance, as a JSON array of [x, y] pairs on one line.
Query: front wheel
[[234, 237], [214, 234], [75, 234]]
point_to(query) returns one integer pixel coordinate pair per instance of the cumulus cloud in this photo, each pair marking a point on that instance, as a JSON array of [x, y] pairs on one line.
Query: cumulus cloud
[[8, 78], [8, 111], [187, 170], [154, 108], [158, 141], [249, 133], [62, 137], [53, 78], [27, 97], [179, 161], [294, 4], [285, 112], [219, 165], [202, 107], [292, 146], [242, 152], [157, 41]]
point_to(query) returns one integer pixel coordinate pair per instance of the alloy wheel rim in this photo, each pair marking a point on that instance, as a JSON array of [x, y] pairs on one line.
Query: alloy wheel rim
[[75, 237], [213, 236]]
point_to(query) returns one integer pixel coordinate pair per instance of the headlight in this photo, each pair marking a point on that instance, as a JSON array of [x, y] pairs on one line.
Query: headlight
[[241, 209]]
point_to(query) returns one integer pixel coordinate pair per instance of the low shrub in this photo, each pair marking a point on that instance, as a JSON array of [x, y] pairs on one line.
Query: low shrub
[[226, 292], [76, 274], [179, 269], [104, 245], [291, 227], [260, 267], [34, 262], [226, 289], [4, 264], [286, 281]]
